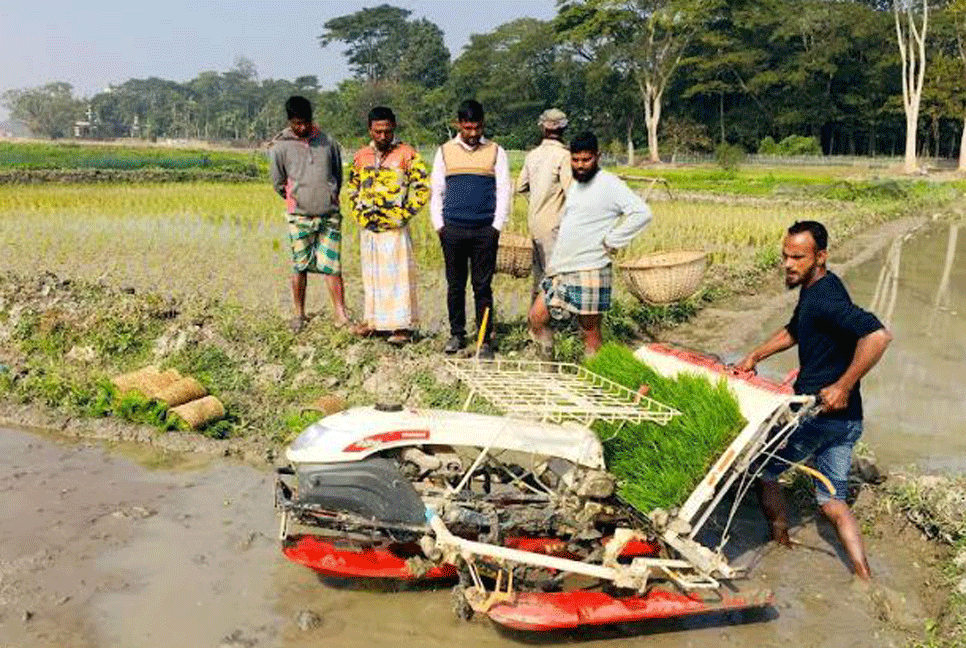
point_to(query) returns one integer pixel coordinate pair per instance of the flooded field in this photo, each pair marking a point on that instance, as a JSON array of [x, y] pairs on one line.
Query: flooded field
[[98, 549], [121, 546], [914, 400]]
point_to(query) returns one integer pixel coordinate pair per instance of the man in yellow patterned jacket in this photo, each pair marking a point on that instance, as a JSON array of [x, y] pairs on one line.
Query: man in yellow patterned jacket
[[388, 185]]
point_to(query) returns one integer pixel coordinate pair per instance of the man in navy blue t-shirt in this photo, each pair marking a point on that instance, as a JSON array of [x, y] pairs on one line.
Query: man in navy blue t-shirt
[[838, 343]]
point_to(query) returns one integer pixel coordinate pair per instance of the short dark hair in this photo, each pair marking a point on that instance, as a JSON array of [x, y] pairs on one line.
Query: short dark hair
[[585, 141], [816, 229], [381, 113], [470, 111], [298, 107]]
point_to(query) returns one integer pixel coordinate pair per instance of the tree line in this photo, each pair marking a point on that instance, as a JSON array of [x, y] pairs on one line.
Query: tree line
[[652, 77]]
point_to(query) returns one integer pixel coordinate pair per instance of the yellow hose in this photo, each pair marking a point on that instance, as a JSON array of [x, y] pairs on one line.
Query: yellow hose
[[817, 475]]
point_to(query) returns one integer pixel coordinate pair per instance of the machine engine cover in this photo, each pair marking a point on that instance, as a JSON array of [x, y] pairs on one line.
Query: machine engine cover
[[373, 488]]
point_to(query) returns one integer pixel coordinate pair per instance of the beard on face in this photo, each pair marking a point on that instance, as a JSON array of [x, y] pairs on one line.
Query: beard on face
[[796, 280], [585, 176]]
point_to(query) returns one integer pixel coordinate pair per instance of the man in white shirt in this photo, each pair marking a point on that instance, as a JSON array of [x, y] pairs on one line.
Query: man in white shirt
[[578, 281], [471, 196]]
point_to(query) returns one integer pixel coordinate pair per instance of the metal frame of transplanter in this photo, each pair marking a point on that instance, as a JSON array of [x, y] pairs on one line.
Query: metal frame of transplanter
[[558, 392]]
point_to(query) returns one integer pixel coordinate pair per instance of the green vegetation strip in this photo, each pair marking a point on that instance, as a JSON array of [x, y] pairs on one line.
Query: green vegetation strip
[[659, 466], [43, 155]]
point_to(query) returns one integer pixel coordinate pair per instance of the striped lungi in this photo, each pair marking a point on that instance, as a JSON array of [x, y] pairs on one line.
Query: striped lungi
[[585, 292], [388, 279]]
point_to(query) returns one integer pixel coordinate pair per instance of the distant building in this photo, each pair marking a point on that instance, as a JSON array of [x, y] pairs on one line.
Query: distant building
[[86, 128]]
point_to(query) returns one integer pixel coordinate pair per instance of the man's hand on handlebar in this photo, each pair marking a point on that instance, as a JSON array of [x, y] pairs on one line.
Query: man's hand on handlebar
[[747, 365], [834, 398]]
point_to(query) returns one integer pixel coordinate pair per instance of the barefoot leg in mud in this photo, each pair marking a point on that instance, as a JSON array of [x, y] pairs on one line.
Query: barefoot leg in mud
[[849, 534], [772, 503]]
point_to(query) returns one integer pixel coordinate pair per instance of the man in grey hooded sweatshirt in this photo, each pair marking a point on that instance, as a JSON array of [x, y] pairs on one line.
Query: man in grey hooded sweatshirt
[[306, 168]]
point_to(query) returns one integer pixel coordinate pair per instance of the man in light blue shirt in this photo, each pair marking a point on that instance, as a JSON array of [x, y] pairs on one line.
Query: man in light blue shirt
[[579, 276]]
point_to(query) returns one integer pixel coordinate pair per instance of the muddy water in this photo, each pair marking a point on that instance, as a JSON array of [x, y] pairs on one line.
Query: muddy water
[[915, 399], [101, 547]]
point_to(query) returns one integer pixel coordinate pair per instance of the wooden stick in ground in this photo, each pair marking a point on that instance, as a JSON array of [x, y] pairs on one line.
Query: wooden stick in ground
[[482, 333]]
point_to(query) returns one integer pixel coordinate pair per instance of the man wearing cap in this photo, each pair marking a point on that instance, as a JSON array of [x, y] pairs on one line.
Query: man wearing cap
[[545, 176]]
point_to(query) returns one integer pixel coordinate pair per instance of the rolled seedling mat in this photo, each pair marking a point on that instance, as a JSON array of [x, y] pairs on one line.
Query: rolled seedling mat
[[328, 404], [126, 382], [181, 391], [151, 384], [199, 412]]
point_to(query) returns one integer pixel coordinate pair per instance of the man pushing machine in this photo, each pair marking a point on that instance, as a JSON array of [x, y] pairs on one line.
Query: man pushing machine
[[838, 343]]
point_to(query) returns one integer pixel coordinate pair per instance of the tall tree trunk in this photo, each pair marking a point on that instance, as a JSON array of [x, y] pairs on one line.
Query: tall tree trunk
[[962, 148], [630, 141], [652, 117], [912, 54], [721, 115]]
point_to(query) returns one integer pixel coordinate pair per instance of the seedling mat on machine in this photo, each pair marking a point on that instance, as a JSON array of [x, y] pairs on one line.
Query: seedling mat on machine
[[555, 392]]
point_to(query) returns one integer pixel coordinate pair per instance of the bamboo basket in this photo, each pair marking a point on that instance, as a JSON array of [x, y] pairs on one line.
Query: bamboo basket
[[665, 277], [181, 391], [199, 412], [514, 256]]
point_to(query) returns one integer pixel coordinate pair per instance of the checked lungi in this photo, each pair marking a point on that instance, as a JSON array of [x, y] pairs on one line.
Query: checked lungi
[[316, 243], [388, 279], [586, 292]]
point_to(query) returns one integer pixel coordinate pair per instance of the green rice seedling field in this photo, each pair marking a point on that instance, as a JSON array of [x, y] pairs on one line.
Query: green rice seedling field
[[657, 466], [229, 240]]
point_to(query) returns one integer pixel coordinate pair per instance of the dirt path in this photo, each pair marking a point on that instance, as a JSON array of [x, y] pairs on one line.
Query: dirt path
[[98, 550]]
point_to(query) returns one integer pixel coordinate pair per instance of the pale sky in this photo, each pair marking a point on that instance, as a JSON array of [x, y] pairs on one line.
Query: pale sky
[[94, 44]]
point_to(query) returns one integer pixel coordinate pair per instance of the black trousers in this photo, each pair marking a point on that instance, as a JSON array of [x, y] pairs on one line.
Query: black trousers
[[475, 247]]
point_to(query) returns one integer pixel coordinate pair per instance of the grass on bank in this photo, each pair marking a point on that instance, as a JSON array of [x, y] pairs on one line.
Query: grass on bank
[[72, 155], [936, 505], [658, 466]]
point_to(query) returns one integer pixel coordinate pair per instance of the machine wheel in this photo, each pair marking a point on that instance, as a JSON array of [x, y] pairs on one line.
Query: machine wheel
[[461, 606]]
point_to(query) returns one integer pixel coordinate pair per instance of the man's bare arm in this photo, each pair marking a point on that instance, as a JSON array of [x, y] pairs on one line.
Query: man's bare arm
[[868, 350], [780, 341]]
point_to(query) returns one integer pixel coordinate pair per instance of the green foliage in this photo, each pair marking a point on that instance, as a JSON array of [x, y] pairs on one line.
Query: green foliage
[[437, 395], [37, 155], [791, 146], [293, 422], [626, 321], [658, 466], [49, 110], [768, 146], [212, 366], [382, 44], [729, 156], [136, 408], [869, 191]]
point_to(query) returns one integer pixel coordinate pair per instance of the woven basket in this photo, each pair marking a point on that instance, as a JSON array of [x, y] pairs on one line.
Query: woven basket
[[665, 277], [514, 256]]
